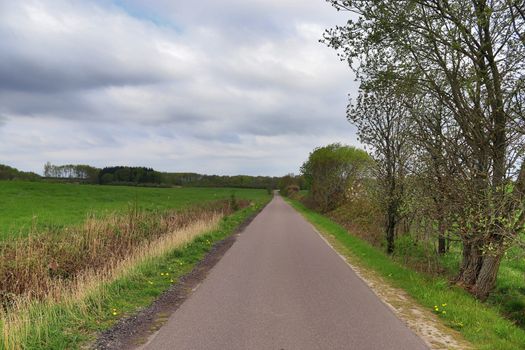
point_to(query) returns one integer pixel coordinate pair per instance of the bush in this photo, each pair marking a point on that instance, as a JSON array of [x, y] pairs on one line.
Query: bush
[[332, 171]]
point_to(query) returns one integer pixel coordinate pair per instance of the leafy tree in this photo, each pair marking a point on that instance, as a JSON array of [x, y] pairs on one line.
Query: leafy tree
[[290, 184], [10, 173], [467, 56], [106, 178], [383, 124], [331, 171]]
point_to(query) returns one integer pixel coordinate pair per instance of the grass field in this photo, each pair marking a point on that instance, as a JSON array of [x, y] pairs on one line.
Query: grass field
[[24, 205], [78, 275], [481, 324], [75, 320]]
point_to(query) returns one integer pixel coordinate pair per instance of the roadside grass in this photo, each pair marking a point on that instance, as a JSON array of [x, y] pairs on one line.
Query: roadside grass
[[98, 303], [36, 206], [46, 263], [479, 323], [509, 295]]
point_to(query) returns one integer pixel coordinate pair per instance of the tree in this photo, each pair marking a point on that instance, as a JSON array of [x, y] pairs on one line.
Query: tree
[[10, 173], [47, 169], [330, 172], [468, 56], [106, 178], [439, 142], [289, 184], [383, 124]]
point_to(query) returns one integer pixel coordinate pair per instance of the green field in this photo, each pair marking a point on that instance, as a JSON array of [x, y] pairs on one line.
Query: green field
[[24, 205]]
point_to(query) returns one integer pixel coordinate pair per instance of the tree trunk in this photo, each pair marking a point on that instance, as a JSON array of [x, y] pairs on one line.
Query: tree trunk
[[390, 231], [442, 244], [470, 265], [486, 279], [442, 247]]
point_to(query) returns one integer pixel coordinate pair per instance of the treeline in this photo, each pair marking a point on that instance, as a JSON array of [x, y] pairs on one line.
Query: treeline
[[9, 173], [240, 181], [143, 176], [72, 171], [124, 175], [128, 175], [441, 107]]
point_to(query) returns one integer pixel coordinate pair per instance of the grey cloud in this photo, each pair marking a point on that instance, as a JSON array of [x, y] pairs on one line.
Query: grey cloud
[[48, 49], [21, 74], [144, 82]]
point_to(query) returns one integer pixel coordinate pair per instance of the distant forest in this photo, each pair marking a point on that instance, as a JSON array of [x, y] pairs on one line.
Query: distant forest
[[143, 176]]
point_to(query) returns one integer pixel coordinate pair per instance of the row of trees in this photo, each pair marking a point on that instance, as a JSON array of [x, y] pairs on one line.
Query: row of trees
[[441, 108], [72, 171], [149, 176], [129, 175], [240, 181], [10, 173]]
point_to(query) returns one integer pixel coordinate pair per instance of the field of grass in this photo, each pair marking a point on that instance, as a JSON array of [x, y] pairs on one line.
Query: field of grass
[[40, 205], [481, 324], [75, 319]]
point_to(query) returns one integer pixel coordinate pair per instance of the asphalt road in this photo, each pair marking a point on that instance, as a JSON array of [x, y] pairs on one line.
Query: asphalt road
[[280, 286]]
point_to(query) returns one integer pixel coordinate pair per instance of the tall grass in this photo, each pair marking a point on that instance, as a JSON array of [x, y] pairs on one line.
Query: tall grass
[[36, 265], [50, 273], [29, 318]]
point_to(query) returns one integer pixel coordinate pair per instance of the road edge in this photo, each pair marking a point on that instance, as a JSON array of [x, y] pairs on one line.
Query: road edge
[[136, 330], [418, 319]]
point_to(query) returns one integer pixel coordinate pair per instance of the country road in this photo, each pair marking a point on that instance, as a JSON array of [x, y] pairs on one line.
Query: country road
[[280, 286]]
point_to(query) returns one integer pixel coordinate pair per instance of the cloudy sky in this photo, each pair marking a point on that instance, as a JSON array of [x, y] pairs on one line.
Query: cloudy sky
[[222, 87]]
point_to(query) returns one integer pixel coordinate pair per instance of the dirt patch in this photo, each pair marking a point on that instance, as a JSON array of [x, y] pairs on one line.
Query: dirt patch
[[420, 320], [133, 331]]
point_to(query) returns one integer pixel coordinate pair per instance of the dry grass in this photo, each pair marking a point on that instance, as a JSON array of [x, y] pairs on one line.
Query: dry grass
[[29, 315], [50, 273], [34, 265]]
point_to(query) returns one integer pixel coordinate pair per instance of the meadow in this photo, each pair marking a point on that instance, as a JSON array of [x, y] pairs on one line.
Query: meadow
[[76, 258], [35, 206]]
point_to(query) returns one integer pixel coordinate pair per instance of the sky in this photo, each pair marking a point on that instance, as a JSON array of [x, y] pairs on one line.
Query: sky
[[217, 87]]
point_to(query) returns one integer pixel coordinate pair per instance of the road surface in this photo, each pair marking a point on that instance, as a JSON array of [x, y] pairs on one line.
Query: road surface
[[280, 286]]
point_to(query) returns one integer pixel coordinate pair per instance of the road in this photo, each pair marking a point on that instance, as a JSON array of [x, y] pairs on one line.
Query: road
[[280, 286]]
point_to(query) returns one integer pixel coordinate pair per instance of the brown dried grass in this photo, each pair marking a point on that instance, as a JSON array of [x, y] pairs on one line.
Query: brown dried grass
[[34, 265], [64, 268]]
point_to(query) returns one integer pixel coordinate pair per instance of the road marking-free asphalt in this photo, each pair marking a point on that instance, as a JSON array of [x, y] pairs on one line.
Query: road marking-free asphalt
[[280, 286]]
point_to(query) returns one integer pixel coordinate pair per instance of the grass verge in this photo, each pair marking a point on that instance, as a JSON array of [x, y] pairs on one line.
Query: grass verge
[[97, 304], [479, 323]]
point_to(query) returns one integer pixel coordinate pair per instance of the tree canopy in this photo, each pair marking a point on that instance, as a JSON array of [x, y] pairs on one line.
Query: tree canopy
[[331, 171], [453, 75]]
